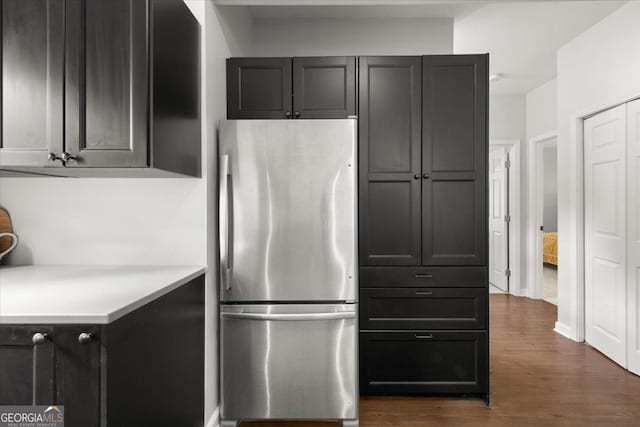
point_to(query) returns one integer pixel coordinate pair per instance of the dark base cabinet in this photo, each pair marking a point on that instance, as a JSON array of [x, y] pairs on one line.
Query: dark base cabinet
[[423, 362], [144, 369]]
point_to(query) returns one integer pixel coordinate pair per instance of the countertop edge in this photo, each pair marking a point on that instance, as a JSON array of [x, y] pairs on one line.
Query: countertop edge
[[99, 319]]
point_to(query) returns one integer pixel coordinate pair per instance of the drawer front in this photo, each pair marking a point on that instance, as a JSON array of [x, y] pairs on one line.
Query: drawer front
[[423, 308], [425, 362], [389, 277]]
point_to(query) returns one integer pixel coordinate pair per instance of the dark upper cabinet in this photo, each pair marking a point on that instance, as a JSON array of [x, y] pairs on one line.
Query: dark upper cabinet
[[324, 87], [27, 365], [454, 156], [100, 88], [32, 81], [288, 88], [106, 83], [389, 160], [259, 88]]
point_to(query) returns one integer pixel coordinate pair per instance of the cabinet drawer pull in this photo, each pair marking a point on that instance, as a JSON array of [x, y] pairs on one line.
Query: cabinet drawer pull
[[424, 292], [423, 337], [424, 276]]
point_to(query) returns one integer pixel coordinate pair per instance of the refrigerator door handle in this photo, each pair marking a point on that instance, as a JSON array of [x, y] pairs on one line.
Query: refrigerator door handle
[[225, 215], [292, 316]]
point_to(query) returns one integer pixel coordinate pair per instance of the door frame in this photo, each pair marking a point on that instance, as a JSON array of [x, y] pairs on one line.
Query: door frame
[[514, 149], [536, 205]]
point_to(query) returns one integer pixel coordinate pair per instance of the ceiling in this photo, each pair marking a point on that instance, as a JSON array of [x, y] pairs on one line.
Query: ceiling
[[451, 10], [523, 38]]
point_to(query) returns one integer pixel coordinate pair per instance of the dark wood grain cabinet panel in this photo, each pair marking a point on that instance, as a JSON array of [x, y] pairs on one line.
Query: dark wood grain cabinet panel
[[420, 362], [454, 156], [324, 87], [389, 155], [32, 83], [423, 308], [107, 83], [78, 373], [26, 369], [259, 88]]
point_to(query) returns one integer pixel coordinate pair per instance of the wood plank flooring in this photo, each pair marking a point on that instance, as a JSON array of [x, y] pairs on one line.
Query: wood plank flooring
[[538, 378]]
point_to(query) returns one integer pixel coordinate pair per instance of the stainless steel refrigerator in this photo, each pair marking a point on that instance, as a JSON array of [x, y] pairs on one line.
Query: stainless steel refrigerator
[[288, 285]]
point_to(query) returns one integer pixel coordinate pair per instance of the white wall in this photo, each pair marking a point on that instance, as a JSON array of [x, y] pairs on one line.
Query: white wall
[[507, 117], [597, 69], [550, 188], [316, 37], [542, 109]]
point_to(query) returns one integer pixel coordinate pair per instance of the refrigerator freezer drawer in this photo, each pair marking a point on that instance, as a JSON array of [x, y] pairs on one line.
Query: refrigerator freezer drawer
[[289, 361]]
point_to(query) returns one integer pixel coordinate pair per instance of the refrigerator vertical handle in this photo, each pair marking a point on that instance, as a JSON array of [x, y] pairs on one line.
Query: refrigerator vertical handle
[[225, 214]]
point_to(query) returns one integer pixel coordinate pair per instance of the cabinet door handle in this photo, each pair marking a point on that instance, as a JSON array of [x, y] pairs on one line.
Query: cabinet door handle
[[426, 175], [416, 176], [424, 276], [287, 114], [428, 292], [297, 114], [423, 336], [85, 337], [39, 338], [66, 157], [52, 157]]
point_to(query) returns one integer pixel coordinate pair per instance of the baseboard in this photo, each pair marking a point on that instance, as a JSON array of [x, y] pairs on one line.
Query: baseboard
[[214, 421], [564, 330]]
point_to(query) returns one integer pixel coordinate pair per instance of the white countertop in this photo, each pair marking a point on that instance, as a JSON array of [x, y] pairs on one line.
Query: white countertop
[[84, 293]]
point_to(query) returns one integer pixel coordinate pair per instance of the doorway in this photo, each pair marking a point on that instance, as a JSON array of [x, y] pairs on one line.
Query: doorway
[[543, 196], [504, 216]]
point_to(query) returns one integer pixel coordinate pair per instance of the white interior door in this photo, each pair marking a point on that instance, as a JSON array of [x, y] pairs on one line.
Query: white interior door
[[605, 233], [633, 233], [498, 226]]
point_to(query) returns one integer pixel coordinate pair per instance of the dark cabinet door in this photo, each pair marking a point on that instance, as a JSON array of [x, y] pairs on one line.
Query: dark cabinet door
[[324, 87], [78, 371], [26, 369], [31, 119], [389, 155], [419, 362], [454, 157], [259, 88], [106, 83]]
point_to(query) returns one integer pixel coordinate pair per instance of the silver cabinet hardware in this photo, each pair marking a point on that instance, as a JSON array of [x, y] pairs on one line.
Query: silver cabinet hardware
[[52, 157], [85, 337], [423, 336], [66, 157], [39, 338]]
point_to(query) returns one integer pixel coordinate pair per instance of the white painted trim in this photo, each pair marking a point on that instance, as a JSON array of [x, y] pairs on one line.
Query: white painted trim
[[214, 420], [574, 261], [563, 330], [535, 193], [515, 237]]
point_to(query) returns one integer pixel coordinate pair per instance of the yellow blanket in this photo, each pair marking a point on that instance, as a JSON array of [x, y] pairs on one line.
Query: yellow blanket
[[550, 248]]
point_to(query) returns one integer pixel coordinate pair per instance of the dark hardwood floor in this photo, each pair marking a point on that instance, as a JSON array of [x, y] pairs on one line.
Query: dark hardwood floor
[[538, 378]]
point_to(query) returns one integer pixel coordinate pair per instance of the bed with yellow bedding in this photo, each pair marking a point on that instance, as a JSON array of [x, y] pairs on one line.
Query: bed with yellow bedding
[[550, 248]]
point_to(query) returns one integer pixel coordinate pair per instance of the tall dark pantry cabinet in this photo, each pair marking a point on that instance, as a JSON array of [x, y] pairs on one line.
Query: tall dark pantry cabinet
[[423, 225], [423, 221]]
